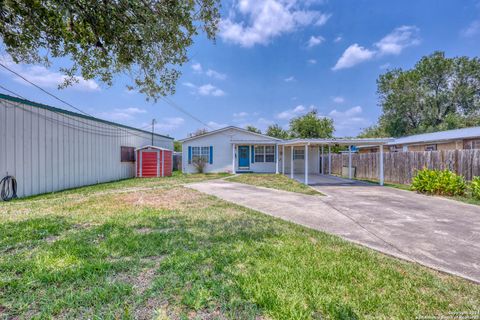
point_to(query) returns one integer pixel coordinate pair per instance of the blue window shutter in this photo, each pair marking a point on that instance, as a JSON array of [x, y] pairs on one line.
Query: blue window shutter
[[189, 155], [253, 154], [275, 153], [211, 154]]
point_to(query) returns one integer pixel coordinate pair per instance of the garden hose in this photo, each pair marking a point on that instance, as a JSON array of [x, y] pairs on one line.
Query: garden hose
[[8, 186]]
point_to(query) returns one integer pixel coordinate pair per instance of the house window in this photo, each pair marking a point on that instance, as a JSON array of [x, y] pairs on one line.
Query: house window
[[431, 147], [298, 154], [201, 153], [259, 153], [472, 144], [127, 154], [269, 153], [264, 153]]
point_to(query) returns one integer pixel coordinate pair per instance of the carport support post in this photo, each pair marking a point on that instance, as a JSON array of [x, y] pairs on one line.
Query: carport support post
[[329, 160], [276, 159], [349, 162], [306, 164], [291, 162], [381, 166], [283, 159], [321, 162], [233, 158]]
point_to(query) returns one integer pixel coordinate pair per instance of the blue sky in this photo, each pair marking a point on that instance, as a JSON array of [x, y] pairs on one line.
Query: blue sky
[[276, 59]]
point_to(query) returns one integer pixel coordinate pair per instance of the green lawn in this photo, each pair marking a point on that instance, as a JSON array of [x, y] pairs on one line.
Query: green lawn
[[274, 181], [146, 248]]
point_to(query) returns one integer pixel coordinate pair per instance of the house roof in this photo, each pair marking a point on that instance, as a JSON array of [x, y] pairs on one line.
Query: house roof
[[152, 147], [464, 133], [58, 110], [229, 128]]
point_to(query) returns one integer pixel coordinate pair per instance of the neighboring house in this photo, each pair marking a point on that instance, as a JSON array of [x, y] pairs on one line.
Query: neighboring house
[[49, 149], [231, 149], [466, 138]]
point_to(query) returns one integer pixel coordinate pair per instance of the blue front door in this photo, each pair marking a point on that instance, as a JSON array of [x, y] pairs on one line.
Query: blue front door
[[243, 156]]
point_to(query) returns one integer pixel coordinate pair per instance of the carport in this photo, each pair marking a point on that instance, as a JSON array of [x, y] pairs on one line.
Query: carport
[[324, 146]]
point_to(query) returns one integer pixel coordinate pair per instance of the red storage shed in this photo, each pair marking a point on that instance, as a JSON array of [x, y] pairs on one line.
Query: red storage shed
[[154, 162]]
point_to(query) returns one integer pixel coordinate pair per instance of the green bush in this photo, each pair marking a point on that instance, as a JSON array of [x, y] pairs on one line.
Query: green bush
[[441, 182], [475, 187]]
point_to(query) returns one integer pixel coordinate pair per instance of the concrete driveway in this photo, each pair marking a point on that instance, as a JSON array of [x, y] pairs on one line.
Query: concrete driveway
[[436, 232]]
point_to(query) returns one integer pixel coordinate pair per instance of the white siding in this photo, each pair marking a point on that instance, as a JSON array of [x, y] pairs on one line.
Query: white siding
[[222, 151], [299, 165], [49, 151]]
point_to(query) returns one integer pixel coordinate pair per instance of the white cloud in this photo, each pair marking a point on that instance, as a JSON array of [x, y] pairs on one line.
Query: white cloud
[[289, 79], [290, 113], [121, 114], [215, 125], [312, 61], [338, 99], [348, 122], [169, 124], [242, 114], [338, 39], [252, 22], [205, 90], [45, 78], [399, 39], [473, 29], [215, 74], [354, 54], [315, 41], [392, 44], [210, 90], [197, 67]]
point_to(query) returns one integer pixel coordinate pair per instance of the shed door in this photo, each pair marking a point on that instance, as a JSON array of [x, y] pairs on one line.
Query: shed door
[[149, 164]]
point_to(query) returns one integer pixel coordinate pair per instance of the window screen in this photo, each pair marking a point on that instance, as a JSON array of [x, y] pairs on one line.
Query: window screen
[[127, 154], [298, 154], [201, 153], [259, 153]]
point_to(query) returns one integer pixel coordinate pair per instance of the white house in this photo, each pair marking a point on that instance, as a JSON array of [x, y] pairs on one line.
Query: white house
[[231, 149], [237, 150]]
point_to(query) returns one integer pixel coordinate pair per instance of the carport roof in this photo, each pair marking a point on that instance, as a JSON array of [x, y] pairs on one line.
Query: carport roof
[[338, 141]]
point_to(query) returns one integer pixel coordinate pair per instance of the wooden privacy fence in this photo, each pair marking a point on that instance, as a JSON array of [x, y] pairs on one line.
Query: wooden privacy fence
[[400, 167]]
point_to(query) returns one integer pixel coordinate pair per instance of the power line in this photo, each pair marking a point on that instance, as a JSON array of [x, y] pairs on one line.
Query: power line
[[112, 131], [45, 91], [10, 91]]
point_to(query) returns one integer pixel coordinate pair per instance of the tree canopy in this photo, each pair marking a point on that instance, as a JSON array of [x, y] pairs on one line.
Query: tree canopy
[[439, 93], [277, 131], [253, 129], [146, 40], [311, 125]]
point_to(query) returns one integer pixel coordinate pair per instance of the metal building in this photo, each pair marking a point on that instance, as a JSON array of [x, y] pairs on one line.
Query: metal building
[[49, 149]]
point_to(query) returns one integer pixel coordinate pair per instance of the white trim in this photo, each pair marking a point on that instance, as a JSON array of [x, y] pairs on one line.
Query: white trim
[[306, 164], [224, 129], [233, 158], [152, 147]]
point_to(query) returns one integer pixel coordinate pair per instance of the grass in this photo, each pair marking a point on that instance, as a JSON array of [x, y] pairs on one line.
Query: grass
[[466, 198], [274, 181], [151, 248]]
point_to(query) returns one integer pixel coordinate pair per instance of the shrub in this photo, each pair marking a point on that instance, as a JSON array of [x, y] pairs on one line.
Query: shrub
[[439, 182], [475, 187], [199, 164]]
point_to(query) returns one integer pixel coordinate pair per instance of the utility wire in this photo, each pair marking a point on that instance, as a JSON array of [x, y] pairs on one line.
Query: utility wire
[[45, 91]]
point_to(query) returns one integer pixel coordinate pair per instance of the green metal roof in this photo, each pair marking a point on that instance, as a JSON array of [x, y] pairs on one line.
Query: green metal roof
[[54, 109]]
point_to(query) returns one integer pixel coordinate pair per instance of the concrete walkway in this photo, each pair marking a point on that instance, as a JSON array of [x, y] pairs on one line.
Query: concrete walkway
[[439, 233]]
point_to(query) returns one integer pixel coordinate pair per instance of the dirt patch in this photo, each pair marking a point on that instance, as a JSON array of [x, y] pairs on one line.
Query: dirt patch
[[142, 280], [170, 199]]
